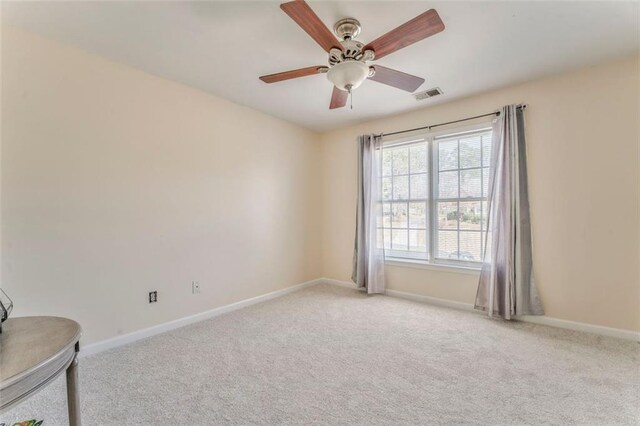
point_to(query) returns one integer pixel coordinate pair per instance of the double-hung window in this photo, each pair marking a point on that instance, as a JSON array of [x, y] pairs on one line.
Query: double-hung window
[[434, 192]]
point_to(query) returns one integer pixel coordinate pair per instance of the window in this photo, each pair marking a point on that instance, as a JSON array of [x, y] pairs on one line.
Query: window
[[434, 191], [405, 194]]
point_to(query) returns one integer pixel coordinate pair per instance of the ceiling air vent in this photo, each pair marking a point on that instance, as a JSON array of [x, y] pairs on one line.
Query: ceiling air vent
[[428, 94]]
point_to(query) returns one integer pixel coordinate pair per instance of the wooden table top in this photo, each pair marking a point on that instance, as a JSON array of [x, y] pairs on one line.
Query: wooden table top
[[28, 343]]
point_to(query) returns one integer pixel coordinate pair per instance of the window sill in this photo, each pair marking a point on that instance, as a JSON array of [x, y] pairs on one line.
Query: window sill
[[421, 264]]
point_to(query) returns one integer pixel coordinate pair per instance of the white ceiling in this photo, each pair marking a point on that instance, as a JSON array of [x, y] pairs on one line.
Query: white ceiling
[[222, 47]]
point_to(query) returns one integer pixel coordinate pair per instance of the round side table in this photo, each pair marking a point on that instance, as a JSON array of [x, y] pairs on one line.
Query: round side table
[[33, 352]]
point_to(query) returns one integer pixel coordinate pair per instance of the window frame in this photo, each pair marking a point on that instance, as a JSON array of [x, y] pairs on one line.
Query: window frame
[[401, 258], [402, 254]]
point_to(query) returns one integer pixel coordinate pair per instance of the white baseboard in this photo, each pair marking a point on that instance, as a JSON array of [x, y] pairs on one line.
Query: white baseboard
[[347, 284], [114, 342], [581, 326], [542, 320]]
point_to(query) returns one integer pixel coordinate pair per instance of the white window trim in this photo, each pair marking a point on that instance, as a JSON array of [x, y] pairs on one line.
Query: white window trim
[[423, 264], [457, 266]]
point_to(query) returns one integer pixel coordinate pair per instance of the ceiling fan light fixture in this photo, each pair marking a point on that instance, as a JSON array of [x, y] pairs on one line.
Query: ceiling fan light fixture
[[348, 73]]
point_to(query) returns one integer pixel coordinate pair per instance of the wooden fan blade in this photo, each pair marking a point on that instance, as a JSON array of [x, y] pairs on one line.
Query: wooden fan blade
[[304, 16], [396, 79], [338, 98], [287, 75], [419, 28]]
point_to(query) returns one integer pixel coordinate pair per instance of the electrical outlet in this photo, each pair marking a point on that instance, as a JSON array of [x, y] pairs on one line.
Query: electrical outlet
[[153, 296], [195, 287]]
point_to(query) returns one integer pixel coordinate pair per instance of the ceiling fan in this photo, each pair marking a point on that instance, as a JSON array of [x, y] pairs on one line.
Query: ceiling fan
[[348, 58]]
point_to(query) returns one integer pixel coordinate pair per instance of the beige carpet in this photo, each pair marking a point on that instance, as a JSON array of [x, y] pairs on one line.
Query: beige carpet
[[329, 355]]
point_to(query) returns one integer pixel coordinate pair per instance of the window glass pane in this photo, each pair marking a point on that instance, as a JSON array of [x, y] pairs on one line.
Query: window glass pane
[[419, 186], [399, 215], [386, 215], [401, 187], [417, 215], [386, 188], [448, 155], [379, 238], [448, 184], [400, 161], [387, 158], [470, 183], [487, 240], [485, 182], [469, 246], [417, 240], [386, 235], [448, 244], [448, 215], [470, 152], [486, 150], [399, 239], [470, 215], [418, 158], [485, 214]]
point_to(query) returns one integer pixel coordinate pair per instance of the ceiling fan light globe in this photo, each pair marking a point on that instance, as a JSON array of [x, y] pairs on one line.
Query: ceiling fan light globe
[[348, 73]]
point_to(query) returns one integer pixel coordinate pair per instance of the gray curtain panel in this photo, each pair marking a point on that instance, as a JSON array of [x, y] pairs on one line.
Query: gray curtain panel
[[506, 286], [368, 255]]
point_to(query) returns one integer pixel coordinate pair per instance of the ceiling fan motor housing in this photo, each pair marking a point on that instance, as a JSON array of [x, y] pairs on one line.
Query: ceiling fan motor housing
[[347, 30], [351, 50]]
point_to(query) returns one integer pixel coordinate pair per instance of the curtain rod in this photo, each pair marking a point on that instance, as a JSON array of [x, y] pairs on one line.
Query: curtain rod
[[496, 113]]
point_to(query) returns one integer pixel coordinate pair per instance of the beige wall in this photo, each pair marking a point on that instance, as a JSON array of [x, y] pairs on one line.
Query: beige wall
[[583, 138], [115, 183]]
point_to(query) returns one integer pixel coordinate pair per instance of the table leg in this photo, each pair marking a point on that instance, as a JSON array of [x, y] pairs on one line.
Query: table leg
[[73, 397]]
